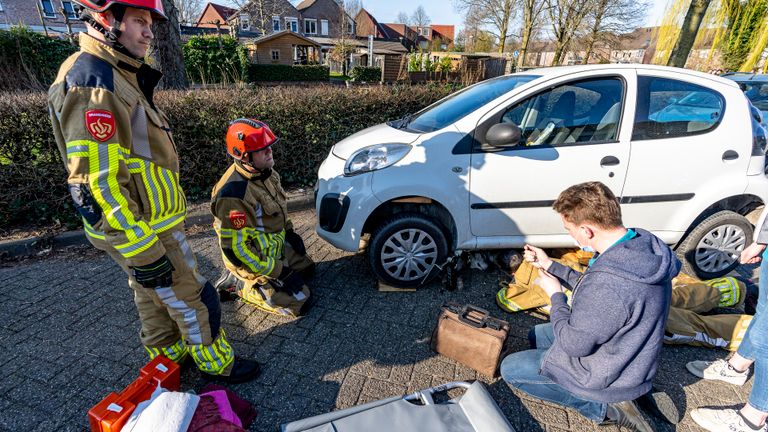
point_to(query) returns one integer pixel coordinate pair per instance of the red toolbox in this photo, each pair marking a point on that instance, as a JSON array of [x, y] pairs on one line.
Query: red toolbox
[[113, 411]]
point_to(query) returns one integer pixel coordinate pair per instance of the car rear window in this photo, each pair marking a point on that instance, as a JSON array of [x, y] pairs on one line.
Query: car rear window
[[668, 108], [454, 107]]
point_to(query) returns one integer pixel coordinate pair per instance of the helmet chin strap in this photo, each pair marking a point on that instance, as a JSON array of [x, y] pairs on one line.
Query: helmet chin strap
[[112, 34]]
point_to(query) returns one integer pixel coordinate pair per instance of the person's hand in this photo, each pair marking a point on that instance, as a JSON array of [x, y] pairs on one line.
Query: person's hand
[[751, 254], [537, 257], [550, 284]]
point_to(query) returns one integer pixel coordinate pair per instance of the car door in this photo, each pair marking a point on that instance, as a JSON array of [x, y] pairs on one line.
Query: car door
[[687, 152], [571, 133]]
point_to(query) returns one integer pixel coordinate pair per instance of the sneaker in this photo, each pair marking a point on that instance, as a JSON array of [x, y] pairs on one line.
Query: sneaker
[[659, 404], [717, 370], [626, 414], [226, 286], [725, 420]]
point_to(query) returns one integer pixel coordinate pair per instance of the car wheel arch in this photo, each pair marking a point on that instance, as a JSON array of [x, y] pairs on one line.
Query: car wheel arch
[[414, 204]]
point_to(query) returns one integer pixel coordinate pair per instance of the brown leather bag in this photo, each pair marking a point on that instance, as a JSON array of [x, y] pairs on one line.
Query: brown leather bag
[[470, 336]]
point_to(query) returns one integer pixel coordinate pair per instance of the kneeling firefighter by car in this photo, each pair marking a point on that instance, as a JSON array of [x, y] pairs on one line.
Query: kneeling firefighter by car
[[266, 261]]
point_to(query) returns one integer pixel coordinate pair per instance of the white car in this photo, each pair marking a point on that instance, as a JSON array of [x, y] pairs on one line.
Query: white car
[[481, 168]]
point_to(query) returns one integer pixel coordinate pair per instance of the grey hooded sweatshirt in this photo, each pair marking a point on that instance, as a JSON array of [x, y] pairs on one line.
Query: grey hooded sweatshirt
[[607, 343]]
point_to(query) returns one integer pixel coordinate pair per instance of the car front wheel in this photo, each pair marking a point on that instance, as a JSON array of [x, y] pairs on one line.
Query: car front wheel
[[404, 250], [712, 249]]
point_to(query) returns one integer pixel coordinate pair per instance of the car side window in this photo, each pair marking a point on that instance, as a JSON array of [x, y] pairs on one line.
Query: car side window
[[668, 108], [586, 111]]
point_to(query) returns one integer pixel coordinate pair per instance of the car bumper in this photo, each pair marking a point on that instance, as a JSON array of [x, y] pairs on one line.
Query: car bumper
[[343, 204]]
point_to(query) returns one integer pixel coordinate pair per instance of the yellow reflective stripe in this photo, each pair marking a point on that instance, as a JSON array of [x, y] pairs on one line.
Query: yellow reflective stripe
[[104, 163], [165, 198], [132, 249], [505, 303], [92, 232], [78, 148]]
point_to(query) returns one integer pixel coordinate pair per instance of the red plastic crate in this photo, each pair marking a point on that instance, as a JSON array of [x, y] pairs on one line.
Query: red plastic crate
[[113, 411]]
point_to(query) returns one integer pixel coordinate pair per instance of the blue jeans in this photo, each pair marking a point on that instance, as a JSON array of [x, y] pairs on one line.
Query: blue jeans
[[755, 344], [521, 371]]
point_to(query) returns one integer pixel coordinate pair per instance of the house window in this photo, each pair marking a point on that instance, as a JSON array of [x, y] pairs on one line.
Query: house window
[[310, 26], [350, 26], [292, 24], [245, 22], [47, 7], [275, 55], [425, 31], [324, 27], [276, 23], [68, 9]]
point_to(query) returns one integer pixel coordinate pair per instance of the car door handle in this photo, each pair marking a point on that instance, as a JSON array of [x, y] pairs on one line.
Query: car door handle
[[730, 155], [609, 161]]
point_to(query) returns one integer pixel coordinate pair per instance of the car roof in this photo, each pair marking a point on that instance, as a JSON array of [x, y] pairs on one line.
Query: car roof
[[551, 72], [745, 76]]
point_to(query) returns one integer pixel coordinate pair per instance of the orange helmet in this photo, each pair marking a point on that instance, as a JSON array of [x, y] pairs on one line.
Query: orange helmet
[[247, 135], [99, 6]]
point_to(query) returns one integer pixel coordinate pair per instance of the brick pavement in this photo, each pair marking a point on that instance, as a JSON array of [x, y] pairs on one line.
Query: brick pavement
[[69, 336]]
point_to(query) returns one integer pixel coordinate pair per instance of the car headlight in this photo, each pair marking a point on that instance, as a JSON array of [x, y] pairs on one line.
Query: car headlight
[[375, 157]]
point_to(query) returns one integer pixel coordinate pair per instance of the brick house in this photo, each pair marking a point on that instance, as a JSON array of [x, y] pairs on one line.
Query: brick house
[[54, 13], [214, 13], [435, 37], [366, 25], [324, 18], [403, 33]]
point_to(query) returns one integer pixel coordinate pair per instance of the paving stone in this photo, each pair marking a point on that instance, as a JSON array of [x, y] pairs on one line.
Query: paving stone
[[69, 334]]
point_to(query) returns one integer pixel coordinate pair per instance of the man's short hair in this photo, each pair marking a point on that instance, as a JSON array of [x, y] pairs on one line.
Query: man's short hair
[[589, 202]]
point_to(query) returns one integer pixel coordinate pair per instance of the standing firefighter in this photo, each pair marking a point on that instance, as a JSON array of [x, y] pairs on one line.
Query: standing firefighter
[[264, 257], [124, 180]]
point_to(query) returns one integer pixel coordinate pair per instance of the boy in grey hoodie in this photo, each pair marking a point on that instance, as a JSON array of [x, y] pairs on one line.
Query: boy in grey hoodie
[[601, 353]]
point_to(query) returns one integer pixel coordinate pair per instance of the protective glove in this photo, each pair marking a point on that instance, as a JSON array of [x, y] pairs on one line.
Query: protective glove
[[289, 281], [157, 274], [297, 244]]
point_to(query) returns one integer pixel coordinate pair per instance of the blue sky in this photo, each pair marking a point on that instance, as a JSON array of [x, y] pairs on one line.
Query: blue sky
[[442, 11]]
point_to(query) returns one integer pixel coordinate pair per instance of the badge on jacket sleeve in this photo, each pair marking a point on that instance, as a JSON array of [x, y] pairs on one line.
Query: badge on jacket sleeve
[[237, 218], [100, 124]]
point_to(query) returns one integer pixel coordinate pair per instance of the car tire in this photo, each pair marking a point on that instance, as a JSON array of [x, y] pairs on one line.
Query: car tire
[[713, 247], [404, 250]]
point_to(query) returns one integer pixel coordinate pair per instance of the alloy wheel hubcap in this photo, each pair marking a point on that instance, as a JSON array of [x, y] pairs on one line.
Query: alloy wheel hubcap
[[720, 248], [409, 254]]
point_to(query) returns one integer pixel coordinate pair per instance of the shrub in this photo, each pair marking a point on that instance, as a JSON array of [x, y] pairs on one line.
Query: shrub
[[30, 60], [308, 120], [260, 72], [367, 74], [215, 59]]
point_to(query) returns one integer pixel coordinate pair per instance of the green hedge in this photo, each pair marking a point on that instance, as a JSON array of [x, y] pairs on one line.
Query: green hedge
[[309, 120], [288, 73], [367, 74], [30, 60], [215, 59]]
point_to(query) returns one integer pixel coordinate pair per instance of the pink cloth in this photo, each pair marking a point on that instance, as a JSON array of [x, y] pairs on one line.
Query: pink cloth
[[225, 408]]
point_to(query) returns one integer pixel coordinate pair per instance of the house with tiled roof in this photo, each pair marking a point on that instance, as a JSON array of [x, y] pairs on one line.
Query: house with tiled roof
[[215, 13]]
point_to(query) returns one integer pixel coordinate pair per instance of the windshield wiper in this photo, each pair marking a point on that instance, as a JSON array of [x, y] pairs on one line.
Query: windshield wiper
[[405, 121]]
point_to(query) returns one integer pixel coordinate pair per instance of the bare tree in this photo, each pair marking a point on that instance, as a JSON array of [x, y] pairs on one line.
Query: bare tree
[[609, 18], [166, 49], [403, 18], [352, 7], [344, 45], [496, 15], [567, 18], [688, 31], [420, 17], [262, 11], [532, 15], [189, 10]]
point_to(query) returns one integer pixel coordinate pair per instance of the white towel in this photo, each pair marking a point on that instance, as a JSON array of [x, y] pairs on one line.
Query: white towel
[[164, 412]]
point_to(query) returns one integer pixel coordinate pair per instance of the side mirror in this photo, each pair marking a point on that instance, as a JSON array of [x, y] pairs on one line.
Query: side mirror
[[503, 135]]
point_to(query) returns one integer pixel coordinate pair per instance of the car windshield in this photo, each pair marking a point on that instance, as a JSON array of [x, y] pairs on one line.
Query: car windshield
[[757, 92], [456, 106]]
